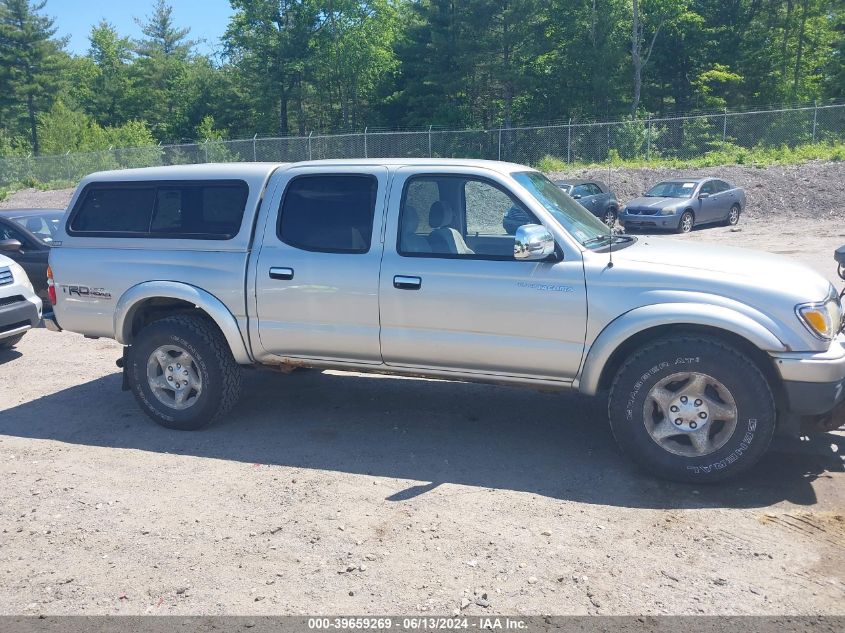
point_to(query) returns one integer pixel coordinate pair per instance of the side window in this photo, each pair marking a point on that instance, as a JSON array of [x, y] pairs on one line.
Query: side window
[[721, 186], [708, 187], [8, 233], [329, 213], [455, 216], [114, 210], [175, 209], [486, 207], [214, 210]]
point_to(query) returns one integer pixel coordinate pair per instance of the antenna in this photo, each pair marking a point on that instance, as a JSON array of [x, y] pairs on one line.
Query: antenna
[[610, 263]]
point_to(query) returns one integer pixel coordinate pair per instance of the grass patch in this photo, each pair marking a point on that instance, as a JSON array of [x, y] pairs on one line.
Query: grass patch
[[728, 154]]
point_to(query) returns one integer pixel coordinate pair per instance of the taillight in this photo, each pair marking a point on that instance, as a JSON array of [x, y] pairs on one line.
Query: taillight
[[51, 286]]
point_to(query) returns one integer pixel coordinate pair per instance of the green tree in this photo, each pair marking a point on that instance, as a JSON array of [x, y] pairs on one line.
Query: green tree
[[112, 83], [28, 63]]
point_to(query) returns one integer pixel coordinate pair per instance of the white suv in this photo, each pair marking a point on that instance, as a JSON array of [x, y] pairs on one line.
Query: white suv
[[20, 308]]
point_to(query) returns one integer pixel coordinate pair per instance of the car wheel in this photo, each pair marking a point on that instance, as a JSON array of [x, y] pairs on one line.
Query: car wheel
[[733, 216], [609, 217], [9, 343], [182, 372], [692, 409], [686, 223]]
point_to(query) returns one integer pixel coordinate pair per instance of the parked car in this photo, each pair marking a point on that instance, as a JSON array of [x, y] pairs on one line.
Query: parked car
[[20, 308], [25, 237], [681, 204], [401, 266], [595, 196]]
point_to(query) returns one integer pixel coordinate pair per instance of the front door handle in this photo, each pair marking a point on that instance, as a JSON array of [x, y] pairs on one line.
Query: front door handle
[[402, 282], [281, 273]]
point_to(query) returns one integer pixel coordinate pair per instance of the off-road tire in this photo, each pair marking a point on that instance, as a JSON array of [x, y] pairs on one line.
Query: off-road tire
[[9, 343], [683, 226], [220, 374], [755, 420]]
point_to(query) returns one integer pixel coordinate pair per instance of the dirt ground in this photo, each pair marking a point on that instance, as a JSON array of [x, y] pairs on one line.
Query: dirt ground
[[337, 493]]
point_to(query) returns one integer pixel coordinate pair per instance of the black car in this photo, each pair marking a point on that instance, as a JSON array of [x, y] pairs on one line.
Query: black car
[[595, 196], [25, 237]]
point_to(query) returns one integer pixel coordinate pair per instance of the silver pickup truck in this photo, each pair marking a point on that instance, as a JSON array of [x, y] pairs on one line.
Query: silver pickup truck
[[404, 267]]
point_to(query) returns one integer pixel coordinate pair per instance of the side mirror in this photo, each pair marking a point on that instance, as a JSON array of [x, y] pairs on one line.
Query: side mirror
[[577, 196], [701, 196], [10, 246], [533, 243]]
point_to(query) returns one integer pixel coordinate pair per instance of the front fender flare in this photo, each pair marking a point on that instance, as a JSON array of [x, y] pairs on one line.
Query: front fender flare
[[205, 301], [640, 319]]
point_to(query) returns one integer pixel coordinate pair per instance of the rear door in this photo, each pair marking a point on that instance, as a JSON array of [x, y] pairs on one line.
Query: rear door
[[316, 276]]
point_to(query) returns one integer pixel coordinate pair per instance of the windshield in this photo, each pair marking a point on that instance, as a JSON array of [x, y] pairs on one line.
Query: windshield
[[580, 223], [672, 189], [44, 226]]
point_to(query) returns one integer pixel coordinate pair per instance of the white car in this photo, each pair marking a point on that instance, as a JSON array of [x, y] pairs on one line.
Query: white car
[[20, 307]]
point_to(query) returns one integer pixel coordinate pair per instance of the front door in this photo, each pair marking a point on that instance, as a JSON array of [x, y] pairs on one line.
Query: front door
[[317, 273], [452, 295]]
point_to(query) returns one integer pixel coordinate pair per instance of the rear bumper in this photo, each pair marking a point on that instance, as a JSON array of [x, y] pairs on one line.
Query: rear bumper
[[814, 383], [636, 221], [18, 317]]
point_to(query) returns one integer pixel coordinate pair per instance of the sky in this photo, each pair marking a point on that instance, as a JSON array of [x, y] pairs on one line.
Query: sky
[[74, 18]]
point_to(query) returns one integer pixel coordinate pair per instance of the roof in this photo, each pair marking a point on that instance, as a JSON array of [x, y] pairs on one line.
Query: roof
[[695, 180], [249, 171], [25, 212], [580, 181]]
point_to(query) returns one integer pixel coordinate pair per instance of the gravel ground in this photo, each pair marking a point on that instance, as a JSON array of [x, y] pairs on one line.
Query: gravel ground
[[332, 492]]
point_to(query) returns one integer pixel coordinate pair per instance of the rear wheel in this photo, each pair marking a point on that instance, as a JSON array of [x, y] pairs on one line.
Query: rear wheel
[[182, 372], [609, 217], [692, 409], [733, 216], [9, 343], [686, 223]]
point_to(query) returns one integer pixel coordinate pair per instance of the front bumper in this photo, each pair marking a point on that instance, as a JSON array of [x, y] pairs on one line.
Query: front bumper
[[814, 382], [637, 221], [18, 317]]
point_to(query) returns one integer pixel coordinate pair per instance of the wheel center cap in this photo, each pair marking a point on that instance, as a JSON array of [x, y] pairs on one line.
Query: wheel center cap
[[689, 413]]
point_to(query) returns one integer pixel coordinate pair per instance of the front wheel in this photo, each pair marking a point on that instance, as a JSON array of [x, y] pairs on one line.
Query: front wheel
[[182, 372], [692, 409], [609, 217], [686, 223]]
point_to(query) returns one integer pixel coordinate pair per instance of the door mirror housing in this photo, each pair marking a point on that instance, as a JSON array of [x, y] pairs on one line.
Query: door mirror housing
[[701, 196], [577, 196], [10, 246], [533, 243]]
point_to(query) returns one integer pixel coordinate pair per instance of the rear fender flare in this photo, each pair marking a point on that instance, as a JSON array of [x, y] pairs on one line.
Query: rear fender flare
[[133, 298]]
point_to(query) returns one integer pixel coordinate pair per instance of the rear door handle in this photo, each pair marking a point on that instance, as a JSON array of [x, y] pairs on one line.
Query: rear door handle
[[281, 273], [401, 282]]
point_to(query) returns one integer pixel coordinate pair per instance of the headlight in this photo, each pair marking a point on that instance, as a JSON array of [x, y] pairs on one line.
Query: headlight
[[823, 319], [20, 277], [669, 211]]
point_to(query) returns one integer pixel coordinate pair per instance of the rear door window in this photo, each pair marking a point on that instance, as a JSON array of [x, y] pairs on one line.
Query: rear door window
[[330, 213], [174, 209]]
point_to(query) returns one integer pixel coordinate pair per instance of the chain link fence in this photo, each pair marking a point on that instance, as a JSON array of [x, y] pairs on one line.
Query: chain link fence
[[681, 137]]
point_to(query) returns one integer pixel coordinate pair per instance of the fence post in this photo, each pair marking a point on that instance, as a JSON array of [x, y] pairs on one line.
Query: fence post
[[815, 117], [569, 141], [648, 141], [254, 150], [206, 150], [67, 165], [430, 155], [500, 142], [365, 143], [309, 144], [725, 126]]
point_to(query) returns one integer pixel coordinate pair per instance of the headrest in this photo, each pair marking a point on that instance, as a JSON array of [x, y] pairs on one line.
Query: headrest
[[440, 215]]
